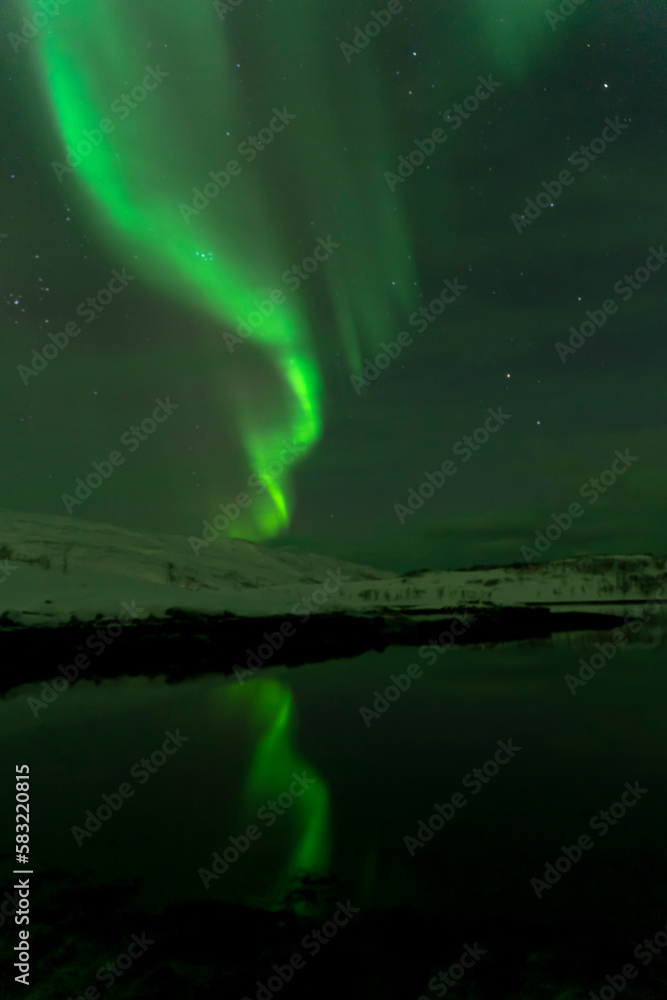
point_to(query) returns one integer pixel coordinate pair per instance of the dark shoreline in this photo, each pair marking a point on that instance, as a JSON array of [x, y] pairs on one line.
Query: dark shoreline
[[182, 645]]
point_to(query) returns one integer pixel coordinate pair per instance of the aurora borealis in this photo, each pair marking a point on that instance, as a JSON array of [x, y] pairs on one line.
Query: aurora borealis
[[270, 707], [382, 283], [302, 125], [222, 263]]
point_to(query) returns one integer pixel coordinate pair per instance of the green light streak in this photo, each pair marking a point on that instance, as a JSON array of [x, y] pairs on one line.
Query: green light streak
[[270, 706], [134, 180], [147, 165], [233, 251]]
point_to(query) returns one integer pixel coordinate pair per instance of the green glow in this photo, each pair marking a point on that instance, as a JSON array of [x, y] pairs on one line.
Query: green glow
[[236, 249], [372, 278], [270, 707], [135, 182], [147, 166], [517, 31]]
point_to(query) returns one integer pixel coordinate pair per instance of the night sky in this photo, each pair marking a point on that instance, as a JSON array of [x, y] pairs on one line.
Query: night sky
[[329, 179]]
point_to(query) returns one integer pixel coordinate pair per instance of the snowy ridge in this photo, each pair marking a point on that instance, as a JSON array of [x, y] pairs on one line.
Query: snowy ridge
[[622, 579], [54, 569]]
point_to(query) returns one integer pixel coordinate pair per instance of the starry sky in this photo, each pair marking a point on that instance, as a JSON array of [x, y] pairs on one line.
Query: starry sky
[[359, 179]]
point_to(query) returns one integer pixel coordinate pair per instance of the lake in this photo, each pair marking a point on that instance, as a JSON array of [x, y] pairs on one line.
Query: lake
[[442, 803]]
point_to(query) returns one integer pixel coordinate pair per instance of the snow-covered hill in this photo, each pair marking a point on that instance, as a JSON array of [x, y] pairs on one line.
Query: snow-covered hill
[[71, 588], [54, 568]]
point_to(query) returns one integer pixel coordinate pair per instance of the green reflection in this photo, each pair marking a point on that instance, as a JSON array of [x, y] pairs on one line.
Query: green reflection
[[269, 704]]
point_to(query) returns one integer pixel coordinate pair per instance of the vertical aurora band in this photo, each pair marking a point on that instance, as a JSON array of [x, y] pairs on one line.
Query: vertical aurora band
[[268, 705], [148, 160], [166, 82], [325, 178]]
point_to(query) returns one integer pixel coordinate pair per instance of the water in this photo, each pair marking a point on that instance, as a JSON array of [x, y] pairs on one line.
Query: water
[[572, 755]]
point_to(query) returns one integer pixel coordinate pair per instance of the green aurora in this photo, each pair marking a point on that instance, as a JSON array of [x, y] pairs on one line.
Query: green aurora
[[169, 179], [143, 170]]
